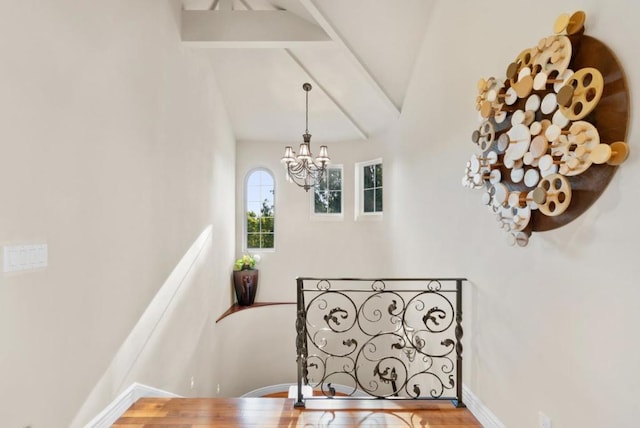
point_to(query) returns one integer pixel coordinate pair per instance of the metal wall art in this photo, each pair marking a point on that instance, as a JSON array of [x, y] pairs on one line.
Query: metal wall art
[[552, 131]]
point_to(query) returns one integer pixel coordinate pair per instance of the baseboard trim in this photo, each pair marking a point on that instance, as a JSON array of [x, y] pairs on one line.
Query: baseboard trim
[[479, 410], [122, 402], [284, 387]]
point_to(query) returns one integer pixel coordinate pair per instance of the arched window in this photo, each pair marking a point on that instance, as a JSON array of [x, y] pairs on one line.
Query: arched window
[[259, 210]]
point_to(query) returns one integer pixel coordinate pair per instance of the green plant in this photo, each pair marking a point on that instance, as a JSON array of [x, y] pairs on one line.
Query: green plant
[[246, 262]]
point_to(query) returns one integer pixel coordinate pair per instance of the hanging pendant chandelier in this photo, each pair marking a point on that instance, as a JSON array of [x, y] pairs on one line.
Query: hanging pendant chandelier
[[302, 169]]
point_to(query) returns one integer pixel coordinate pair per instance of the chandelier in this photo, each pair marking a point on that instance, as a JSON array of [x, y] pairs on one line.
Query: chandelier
[[302, 169]]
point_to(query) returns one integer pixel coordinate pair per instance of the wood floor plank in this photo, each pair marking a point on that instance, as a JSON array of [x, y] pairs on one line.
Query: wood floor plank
[[279, 412]]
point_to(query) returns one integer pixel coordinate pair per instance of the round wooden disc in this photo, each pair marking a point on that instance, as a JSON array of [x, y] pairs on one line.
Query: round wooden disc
[[514, 199], [517, 118], [491, 157], [528, 158], [565, 96], [485, 109], [556, 57], [546, 162], [540, 81], [492, 94], [539, 195], [500, 116], [503, 142], [511, 96], [500, 194], [512, 70], [576, 22], [561, 23], [539, 146], [531, 177], [474, 164], [535, 128], [482, 85], [619, 153], [495, 176], [486, 136], [475, 136], [553, 132], [558, 195], [517, 174], [589, 84], [549, 103], [519, 137], [600, 153], [524, 86], [560, 119]]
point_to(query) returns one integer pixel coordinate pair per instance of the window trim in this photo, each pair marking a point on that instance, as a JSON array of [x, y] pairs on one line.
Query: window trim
[[328, 216], [359, 214], [245, 244]]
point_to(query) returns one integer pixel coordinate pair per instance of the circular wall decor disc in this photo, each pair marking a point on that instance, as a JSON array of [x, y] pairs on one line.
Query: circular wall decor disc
[[561, 23]]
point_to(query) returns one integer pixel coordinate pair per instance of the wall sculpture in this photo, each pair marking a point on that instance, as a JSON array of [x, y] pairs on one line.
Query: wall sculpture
[[552, 131]]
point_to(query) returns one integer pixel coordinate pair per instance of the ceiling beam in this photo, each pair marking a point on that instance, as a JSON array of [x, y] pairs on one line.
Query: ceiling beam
[[335, 102], [249, 29], [350, 54]]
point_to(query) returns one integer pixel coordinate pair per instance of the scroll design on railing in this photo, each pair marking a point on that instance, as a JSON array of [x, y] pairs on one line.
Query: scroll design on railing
[[396, 338]]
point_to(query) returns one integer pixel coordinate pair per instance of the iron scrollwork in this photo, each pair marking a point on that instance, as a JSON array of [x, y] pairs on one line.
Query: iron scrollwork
[[397, 338]]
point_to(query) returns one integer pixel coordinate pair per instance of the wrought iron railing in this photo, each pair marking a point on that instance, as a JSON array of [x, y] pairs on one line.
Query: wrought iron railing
[[380, 338]]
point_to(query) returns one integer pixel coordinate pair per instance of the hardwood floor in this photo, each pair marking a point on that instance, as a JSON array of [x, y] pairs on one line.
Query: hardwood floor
[[279, 412]]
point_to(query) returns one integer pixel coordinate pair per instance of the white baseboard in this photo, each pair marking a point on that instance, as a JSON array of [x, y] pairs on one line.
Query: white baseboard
[[479, 410], [284, 387], [122, 402]]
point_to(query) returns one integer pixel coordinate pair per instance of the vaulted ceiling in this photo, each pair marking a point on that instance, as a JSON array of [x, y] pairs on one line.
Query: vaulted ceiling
[[357, 54]]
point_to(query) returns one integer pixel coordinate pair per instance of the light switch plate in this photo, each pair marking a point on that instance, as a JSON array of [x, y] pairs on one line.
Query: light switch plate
[[25, 257]]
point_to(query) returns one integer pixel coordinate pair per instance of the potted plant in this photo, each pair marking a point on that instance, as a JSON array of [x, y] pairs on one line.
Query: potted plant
[[245, 279]]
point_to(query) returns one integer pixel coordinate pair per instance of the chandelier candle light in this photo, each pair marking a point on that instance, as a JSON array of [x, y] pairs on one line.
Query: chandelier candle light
[[302, 169]]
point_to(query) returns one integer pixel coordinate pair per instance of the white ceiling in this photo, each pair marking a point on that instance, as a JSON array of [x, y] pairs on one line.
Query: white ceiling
[[357, 54]]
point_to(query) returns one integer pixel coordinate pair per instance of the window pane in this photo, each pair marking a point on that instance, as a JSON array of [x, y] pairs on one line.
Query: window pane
[[369, 198], [266, 209], [254, 207], [266, 224], [320, 202], [267, 240], [322, 183], [253, 224], [335, 202], [253, 240], [379, 175], [379, 200], [369, 176], [335, 179]]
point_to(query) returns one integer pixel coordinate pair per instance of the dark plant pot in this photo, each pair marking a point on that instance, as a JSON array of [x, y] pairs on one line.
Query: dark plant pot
[[245, 282]]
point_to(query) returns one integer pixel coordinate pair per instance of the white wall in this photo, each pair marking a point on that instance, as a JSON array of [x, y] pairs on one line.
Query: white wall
[[115, 150], [551, 326]]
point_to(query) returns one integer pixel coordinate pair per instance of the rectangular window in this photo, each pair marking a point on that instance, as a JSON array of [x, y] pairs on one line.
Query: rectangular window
[[327, 194], [260, 210], [369, 199]]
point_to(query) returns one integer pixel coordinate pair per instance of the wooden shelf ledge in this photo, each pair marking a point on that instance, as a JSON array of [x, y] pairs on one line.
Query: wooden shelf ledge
[[237, 308]]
